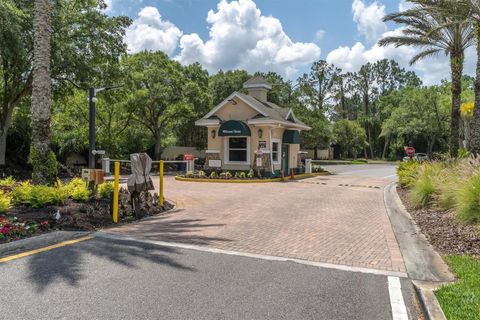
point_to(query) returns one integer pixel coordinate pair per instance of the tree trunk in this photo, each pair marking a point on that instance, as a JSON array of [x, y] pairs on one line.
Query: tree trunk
[[4, 126], [475, 123], [157, 153], [370, 142], [44, 166], [385, 146], [456, 65], [430, 144]]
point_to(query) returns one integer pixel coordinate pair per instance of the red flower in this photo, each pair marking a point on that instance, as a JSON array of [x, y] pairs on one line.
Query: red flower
[[5, 229], [44, 223]]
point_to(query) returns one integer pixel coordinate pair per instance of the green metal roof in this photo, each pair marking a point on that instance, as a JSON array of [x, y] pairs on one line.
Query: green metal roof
[[291, 136], [233, 128]]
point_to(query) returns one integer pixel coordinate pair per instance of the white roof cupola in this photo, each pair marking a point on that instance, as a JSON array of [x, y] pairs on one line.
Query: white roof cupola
[[258, 88]]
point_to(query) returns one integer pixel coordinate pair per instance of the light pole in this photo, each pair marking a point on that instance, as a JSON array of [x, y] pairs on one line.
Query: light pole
[[92, 100]]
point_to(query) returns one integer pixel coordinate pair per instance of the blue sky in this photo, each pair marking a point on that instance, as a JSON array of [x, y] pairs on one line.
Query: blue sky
[[279, 35]]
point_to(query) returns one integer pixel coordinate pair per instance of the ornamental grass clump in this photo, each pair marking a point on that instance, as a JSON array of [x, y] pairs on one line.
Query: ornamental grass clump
[[467, 199], [424, 188], [407, 173]]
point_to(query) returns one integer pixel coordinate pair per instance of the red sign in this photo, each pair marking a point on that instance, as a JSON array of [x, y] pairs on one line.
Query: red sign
[[188, 157], [410, 151]]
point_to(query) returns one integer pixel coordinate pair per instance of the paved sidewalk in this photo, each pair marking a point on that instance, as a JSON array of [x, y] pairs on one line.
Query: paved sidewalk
[[330, 219]]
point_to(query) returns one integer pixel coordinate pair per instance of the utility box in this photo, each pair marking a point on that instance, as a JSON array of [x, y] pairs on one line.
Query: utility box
[[308, 165], [106, 166], [93, 175]]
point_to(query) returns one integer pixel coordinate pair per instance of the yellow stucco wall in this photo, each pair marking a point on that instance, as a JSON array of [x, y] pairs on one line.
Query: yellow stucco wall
[[243, 112], [293, 155], [240, 111]]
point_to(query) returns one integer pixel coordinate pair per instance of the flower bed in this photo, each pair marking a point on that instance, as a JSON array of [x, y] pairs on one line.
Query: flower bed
[[443, 198], [239, 176], [26, 209]]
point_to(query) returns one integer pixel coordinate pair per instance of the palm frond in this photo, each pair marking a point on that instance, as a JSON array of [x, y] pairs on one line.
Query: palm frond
[[424, 54]]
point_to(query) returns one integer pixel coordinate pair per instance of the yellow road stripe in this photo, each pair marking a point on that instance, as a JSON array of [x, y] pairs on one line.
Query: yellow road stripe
[[55, 246]]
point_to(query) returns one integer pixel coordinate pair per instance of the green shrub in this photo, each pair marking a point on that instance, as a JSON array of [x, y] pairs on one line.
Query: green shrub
[[105, 190], [228, 175], [242, 175], [77, 189], [201, 174], [251, 174], [463, 153], [223, 174], [467, 199], [189, 174], [7, 182], [38, 196], [213, 175], [5, 201], [407, 173], [424, 188]]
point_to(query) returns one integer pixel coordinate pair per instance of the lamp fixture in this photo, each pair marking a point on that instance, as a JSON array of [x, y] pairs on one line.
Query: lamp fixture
[[260, 133], [214, 134]]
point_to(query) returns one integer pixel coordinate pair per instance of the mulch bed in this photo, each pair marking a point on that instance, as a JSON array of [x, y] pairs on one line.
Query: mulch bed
[[443, 230], [91, 215]]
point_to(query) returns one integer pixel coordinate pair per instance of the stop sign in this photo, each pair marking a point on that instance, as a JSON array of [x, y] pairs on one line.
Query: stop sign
[[188, 157], [410, 151]]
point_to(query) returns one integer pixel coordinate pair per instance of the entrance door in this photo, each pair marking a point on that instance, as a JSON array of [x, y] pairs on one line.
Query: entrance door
[[285, 158]]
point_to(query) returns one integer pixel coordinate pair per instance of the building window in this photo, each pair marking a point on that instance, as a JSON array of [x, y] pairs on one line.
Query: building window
[[238, 149], [275, 151]]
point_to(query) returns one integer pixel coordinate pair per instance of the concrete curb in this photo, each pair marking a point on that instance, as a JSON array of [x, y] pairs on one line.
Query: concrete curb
[[424, 265], [286, 179], [421, 260], [426, 294]]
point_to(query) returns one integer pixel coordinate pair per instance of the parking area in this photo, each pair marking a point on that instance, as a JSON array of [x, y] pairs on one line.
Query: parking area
[[338, 219]]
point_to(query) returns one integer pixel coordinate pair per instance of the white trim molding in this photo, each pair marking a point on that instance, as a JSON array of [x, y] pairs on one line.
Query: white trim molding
[[212, 151], [226, 149], [279, 151]]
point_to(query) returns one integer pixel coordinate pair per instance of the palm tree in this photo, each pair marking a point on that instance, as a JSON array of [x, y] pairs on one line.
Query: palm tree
[[43, 159], [437, 26], [474, 17]]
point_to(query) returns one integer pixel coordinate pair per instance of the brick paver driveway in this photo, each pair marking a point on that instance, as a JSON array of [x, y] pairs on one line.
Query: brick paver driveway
[[331, 219]]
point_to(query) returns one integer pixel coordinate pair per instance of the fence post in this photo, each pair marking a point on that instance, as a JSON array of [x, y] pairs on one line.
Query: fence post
[[116, 187], [160, 187]]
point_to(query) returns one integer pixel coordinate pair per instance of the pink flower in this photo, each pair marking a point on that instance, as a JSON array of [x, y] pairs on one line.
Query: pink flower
[[44, 223], [5, 229]]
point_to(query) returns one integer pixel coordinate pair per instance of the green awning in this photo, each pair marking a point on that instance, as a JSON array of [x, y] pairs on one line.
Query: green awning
[[233, 128], [291, 136]]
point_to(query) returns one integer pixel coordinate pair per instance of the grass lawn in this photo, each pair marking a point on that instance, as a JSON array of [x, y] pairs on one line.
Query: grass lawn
[[462, 300]]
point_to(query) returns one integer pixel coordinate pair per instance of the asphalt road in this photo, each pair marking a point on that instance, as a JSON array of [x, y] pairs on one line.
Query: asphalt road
[[122, 279], [112, 279], [385, 171]]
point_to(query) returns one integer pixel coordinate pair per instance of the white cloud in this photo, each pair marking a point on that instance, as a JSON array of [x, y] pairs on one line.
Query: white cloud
[[319, 35], [431, 70], [150, 32], [369, 19], [241, 37], [404, 5]]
